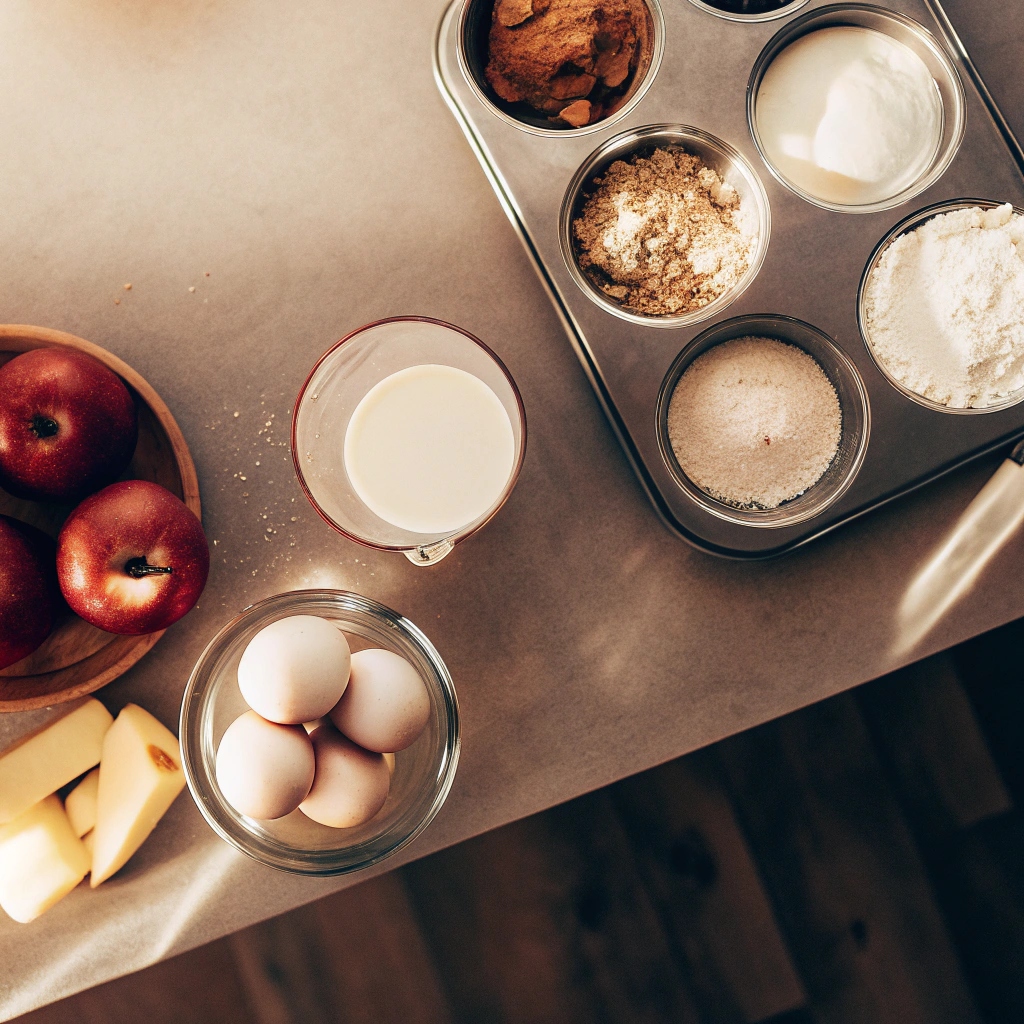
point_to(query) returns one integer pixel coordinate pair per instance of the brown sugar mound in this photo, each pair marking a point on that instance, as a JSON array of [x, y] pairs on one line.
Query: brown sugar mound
[[574, 60], [663, 234]]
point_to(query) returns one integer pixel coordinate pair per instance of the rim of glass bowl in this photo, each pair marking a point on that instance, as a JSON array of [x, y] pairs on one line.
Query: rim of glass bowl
[[639, 88], [471, 528], [825, 17], [751, 19], [199, 754], [813, 501], [911, 223], [636, 139]]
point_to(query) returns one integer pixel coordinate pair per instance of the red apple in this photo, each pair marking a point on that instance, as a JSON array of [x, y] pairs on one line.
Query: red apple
[[29, 597], [68, 425], [132, 559]]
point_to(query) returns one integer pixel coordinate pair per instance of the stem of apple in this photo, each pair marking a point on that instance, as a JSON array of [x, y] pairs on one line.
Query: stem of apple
[[43, 426], [139, 567]]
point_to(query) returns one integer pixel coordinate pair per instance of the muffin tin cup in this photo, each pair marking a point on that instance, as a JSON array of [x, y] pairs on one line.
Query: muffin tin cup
[[423, 773], [473, 29], [853, 404], [912, 223], [783, 12], [730, 165], [904, 30], [341, 378]]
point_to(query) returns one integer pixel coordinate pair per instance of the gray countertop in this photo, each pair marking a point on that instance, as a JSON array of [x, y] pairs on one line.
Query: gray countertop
[[301, 155]]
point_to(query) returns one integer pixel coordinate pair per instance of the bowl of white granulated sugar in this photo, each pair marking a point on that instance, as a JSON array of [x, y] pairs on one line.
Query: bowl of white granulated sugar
[[763, 420], [942, 306]]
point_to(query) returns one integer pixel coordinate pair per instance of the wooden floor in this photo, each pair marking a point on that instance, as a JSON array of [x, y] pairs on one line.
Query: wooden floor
[[859, 862]]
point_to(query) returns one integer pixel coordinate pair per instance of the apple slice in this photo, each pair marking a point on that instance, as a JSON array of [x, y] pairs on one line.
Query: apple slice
[[81, 804], [89, 842], [41, 860], [51, 758], [140, 775]]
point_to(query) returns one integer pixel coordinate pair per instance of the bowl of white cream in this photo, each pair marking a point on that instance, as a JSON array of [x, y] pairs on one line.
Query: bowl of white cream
[[855, 109]]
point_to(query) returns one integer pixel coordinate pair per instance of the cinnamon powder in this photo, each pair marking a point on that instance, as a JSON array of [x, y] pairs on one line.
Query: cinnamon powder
[[571, 59]]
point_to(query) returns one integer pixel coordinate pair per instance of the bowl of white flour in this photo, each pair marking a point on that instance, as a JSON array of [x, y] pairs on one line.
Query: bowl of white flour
[[941, 306]]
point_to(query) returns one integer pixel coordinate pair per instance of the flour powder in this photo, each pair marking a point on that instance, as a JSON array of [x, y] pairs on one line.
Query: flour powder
[[944, 308]]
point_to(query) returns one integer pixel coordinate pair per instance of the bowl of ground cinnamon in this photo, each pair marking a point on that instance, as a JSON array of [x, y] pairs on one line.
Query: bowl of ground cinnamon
[[665, 225], [763, 420], [550, 66]]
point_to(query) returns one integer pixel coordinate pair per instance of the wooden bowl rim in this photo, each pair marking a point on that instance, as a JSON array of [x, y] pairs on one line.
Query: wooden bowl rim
[[135, 647]]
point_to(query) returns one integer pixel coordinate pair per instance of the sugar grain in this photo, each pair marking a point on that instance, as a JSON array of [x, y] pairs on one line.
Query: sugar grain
[[754, 422], [944, 307]]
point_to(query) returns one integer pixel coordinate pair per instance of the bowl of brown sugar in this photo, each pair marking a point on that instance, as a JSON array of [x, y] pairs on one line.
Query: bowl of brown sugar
[[665, 225]]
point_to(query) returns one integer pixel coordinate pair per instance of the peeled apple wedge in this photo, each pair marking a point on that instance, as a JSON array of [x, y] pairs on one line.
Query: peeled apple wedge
[[81, 804], [51, 758], [140, 775], [41, 860]]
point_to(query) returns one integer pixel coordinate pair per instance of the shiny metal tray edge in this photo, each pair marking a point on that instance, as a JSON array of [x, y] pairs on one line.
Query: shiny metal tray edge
[[810, 530], [956, 44]]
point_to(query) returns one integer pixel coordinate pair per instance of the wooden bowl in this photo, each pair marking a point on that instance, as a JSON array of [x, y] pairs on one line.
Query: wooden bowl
[[77, 658]]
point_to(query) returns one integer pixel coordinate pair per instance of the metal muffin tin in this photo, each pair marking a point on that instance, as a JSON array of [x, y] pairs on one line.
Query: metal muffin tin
[[713, 153], [811, 274]]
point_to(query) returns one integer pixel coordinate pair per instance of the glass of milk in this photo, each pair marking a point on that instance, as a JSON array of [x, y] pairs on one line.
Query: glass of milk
[[408, 435]]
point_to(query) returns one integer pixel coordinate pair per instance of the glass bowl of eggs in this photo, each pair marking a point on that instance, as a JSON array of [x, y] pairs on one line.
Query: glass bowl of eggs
[[319, 732]]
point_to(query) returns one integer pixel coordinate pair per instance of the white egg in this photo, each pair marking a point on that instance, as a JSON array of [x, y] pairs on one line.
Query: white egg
[[386, 705], [264, 770], [351, 784], [295, 670]]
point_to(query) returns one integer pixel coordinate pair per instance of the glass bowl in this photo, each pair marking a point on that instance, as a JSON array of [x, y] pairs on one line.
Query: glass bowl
[[337, 384], [472, 48], [853, 405], [423, 772], [730, 165], [770, 11], [912, 223], [916, 38]]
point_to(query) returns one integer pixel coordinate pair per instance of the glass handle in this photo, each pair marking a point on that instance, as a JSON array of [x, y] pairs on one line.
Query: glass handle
[[431, 554]]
